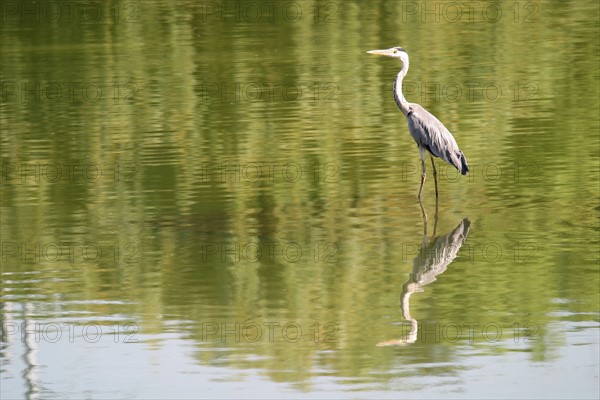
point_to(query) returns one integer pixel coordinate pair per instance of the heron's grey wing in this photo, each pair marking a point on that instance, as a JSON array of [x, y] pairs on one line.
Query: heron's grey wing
[[430, 133]]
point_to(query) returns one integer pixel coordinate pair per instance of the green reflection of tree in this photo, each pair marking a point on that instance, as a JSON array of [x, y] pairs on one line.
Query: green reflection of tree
[[353, 193]]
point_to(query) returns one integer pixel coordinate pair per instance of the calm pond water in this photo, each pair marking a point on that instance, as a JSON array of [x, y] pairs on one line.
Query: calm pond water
[[218, 199]]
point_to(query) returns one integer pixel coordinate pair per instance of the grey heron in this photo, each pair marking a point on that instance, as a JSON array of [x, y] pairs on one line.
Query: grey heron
[[429, 133]]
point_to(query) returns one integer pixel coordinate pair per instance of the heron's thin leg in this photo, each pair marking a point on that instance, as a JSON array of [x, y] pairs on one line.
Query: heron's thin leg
[[421, 189], [424, 215], [435, 218], [422, 152], [434, 178], [425, 240]]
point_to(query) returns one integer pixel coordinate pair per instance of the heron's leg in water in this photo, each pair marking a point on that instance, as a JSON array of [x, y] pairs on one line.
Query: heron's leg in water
[[422, 152], [424, 214], [434, 178], [435, 218]]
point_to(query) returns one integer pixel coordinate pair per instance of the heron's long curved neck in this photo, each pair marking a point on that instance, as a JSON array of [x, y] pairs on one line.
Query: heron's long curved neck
[[398, 96]]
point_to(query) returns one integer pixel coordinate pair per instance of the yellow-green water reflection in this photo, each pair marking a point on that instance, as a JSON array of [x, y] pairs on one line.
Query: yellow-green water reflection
[[199, 187]]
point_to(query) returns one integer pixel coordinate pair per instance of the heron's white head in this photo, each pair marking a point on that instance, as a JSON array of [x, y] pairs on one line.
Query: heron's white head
[[395, 52]]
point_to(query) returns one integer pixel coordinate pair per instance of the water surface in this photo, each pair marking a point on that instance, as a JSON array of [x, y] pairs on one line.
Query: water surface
[[216, 200]]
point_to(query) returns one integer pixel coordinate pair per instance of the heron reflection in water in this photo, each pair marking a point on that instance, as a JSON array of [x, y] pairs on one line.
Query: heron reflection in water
[[433, 259]]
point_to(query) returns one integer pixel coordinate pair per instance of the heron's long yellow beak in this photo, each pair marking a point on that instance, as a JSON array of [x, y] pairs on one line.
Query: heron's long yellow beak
[[386, 52]]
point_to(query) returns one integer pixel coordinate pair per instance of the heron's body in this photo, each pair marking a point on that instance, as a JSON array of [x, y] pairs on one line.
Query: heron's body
[[429, 133]]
